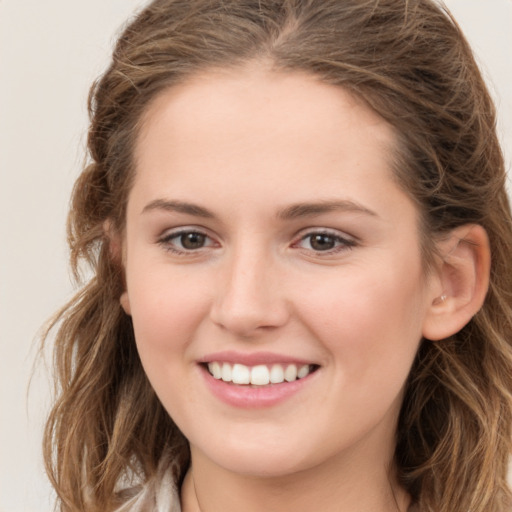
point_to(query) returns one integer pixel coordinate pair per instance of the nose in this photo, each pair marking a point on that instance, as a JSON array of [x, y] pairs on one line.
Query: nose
[[250, 297]]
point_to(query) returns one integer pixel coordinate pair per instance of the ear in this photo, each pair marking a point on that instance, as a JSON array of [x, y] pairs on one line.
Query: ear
[[115, 245], [462, 281], [124, 300]]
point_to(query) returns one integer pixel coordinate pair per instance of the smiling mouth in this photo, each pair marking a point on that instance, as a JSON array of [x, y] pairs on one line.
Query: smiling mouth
[[259, 375]]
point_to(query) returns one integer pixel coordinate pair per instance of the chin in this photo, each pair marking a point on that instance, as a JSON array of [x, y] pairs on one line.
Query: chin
[[258, 460], [273, 467]]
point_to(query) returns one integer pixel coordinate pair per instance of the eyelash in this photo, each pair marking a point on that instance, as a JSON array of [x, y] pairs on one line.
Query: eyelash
[[341, 243], [167, 241]]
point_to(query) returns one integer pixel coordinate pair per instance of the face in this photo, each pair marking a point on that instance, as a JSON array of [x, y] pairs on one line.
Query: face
[[273, 270]]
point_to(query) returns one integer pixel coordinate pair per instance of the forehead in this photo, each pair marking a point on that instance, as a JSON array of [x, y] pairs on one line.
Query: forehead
[[254, 100], [260, 135]]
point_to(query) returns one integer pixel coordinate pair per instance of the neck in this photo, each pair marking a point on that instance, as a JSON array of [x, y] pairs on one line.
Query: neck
[[330, 488]]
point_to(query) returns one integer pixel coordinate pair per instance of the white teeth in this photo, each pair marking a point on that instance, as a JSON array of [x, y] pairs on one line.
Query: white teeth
[[277, 374], [290, 374], [259, 375], [241, 374], [215, 370], [303, 371], [226, 372]]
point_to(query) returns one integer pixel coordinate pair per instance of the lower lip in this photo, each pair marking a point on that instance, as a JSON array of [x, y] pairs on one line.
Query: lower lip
[[254, 397]]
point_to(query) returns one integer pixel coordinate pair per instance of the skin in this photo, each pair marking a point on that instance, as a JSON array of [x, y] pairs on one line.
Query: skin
[[248, 146]]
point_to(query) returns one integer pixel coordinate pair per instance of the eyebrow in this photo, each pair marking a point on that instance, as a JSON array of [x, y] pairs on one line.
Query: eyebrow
[[178, 206], [312, 209], [291, 212]]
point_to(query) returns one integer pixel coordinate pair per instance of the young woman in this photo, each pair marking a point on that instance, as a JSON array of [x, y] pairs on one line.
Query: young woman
[[296, 217]]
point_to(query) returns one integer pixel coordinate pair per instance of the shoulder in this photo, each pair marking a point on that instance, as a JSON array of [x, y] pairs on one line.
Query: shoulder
[[158, 494], [152, 497]]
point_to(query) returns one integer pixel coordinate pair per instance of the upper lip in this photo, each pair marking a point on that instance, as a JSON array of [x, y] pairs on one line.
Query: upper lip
[[252, 359]]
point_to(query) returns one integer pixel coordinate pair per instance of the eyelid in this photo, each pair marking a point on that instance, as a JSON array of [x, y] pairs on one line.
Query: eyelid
[[165, 239], [345, 241]]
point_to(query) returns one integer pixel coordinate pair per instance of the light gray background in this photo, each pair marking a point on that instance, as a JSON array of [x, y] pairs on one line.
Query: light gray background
[[50, 51]]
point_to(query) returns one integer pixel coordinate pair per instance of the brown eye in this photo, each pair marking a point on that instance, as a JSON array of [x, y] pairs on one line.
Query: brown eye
[[186, 241], [322, 242], [325, 242], [192, 240]]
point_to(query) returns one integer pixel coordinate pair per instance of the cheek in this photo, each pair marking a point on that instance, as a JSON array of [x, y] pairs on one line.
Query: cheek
[[371, 324], [166, 308], [167, 312]]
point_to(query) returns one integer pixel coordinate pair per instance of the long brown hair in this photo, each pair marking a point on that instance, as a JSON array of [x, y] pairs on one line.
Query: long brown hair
[[410, 62]]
